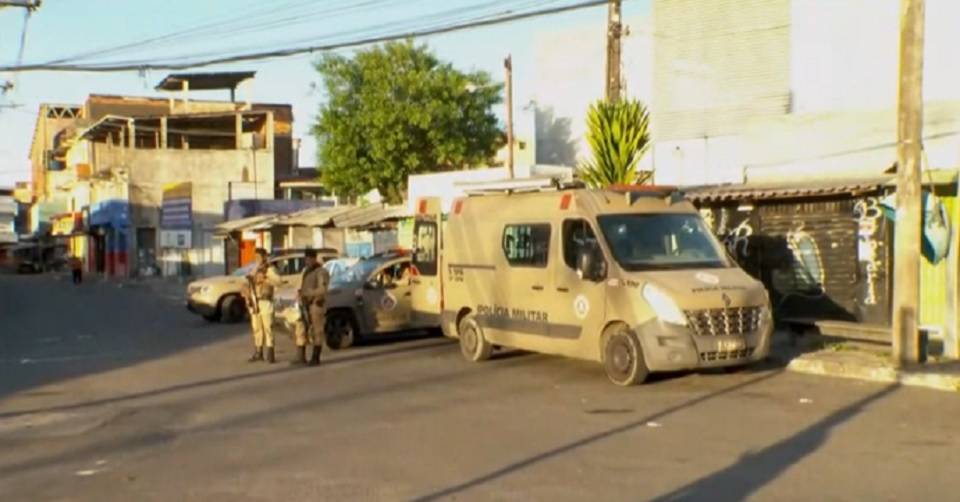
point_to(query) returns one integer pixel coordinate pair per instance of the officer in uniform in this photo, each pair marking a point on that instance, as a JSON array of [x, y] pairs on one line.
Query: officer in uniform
[[313, 295], [258, 292]]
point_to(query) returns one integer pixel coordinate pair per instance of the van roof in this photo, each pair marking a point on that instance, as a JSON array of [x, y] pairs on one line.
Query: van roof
[[611, 200]]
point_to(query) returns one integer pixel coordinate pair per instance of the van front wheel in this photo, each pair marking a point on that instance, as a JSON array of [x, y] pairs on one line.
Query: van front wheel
[[474, 346], [623, 358]]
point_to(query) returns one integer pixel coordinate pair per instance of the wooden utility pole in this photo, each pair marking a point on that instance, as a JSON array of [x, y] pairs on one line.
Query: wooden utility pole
[[614, 36], [508, 65], [906, 273], [27, 4]]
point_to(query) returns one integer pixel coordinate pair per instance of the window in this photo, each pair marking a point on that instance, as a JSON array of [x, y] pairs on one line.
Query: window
[[527, 245], [425, 248], [576, 235], [289, 266]]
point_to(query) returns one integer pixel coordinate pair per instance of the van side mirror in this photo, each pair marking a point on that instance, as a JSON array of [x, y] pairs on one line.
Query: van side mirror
[[590, 264]]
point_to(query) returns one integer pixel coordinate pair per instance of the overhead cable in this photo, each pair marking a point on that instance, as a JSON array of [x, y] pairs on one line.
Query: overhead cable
[[292, 51]]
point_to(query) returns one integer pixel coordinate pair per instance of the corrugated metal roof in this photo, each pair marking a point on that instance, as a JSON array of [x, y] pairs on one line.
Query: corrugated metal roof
[[789, 190], [343, 216], [242, 224], [719, 193]]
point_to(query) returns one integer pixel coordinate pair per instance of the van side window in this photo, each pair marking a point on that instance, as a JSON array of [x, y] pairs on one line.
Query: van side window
[[577, 234], [527, 245], [425, 248]]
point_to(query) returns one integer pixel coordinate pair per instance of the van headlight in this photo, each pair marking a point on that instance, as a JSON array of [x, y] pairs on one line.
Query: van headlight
[[662, 305]]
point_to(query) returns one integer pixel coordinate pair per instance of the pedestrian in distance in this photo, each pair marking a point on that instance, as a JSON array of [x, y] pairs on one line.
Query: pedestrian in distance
[[76, 269], [258, 293], [312, 298]]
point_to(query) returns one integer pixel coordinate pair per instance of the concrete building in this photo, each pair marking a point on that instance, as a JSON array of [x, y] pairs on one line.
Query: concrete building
[[777, 90], [136, 185]]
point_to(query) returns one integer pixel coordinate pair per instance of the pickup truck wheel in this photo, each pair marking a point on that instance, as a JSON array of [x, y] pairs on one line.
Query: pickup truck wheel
[[340, 329], [623, 357], [232, 309], [473, 344]]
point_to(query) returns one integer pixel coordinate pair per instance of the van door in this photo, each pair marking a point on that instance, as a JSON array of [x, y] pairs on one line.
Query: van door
[[425, 299], [580, 308], [523, 300]]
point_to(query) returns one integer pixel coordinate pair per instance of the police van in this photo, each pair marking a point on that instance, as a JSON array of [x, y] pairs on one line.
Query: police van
[[630, 277]]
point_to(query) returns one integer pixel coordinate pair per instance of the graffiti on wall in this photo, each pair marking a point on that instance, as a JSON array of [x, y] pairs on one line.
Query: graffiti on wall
[[869, 216], [809, 275], [736, 239]]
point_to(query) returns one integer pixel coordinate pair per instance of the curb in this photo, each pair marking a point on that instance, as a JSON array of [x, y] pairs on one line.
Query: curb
[[874, 373]]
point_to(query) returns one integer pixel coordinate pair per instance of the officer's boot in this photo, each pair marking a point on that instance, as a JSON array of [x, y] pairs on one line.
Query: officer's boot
[[257, 355], [301, 357], [270, 355], [315, 357]]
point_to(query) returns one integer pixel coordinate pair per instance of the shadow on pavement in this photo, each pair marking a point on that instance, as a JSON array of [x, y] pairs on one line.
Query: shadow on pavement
[[452, 491], [230, 379], [754, 470], [156, 436], [52, 331]]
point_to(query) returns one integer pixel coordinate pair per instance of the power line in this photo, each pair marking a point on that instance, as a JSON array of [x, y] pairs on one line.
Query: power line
[[278, 53]]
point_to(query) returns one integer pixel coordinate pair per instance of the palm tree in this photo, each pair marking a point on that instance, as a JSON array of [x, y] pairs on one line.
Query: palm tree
[[619, 136]]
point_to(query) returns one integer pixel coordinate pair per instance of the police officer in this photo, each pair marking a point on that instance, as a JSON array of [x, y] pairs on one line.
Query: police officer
[[259, 294], [313, 295]]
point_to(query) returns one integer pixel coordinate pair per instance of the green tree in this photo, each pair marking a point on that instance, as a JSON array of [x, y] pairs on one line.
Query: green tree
[[619, 136], [395, 110]]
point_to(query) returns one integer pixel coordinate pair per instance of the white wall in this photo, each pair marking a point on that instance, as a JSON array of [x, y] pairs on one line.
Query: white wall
[[845, 53], [570, 70]]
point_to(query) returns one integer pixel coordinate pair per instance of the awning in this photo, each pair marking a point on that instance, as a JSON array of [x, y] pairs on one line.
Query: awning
[[343, 216], [370, 215], [720, 193], [314, 217], [792, 190], [242, 224]]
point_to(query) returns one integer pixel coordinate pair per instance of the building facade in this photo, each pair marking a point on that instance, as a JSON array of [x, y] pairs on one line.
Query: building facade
[[135, 186]]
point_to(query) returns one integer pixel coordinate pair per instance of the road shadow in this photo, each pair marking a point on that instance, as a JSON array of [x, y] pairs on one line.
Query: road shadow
[[458, 489], [55, 331], [351, 358], [127, 441], [755, 470]]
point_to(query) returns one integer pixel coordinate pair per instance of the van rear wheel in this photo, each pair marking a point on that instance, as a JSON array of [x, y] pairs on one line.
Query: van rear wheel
[[623, 358], [473, 345]]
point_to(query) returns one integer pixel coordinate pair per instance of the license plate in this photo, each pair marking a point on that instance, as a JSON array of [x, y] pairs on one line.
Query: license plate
[[731, 344]]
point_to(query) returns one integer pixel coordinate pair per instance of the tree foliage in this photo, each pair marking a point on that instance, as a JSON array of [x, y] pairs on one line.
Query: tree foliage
[[395, 110], [619, 136]]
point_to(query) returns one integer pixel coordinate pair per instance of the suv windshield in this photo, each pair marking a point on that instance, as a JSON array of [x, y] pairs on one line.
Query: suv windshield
[[244, 270], [356, 273], [661, 241]]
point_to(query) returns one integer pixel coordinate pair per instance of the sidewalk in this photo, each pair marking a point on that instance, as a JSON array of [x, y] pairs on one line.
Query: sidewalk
[[848, 360]]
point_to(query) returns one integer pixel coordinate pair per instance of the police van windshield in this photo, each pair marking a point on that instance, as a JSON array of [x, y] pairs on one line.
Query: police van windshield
[[661, 242]]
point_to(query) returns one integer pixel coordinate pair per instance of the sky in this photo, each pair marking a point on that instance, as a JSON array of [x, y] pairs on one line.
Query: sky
[[66, 28]]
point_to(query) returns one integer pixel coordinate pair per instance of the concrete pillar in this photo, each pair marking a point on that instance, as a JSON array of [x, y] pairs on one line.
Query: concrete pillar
[[269, 131], [131, 134], [184, 94], [238, 131], [163, 132]]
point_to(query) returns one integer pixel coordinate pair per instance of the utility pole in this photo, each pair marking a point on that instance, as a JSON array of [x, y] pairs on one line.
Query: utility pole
[[614, 36], [27, 4], [508, 65], [906, 273]]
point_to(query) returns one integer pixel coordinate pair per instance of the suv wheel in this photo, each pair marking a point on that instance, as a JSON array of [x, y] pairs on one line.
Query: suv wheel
[[623, 357], [473, 344], [232, 309]]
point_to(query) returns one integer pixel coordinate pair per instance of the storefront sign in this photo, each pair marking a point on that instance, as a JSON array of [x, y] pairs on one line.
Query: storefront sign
[[176, 212]]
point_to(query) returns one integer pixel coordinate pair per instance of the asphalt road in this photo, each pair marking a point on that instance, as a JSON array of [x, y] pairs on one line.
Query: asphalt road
[[110, 393]]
